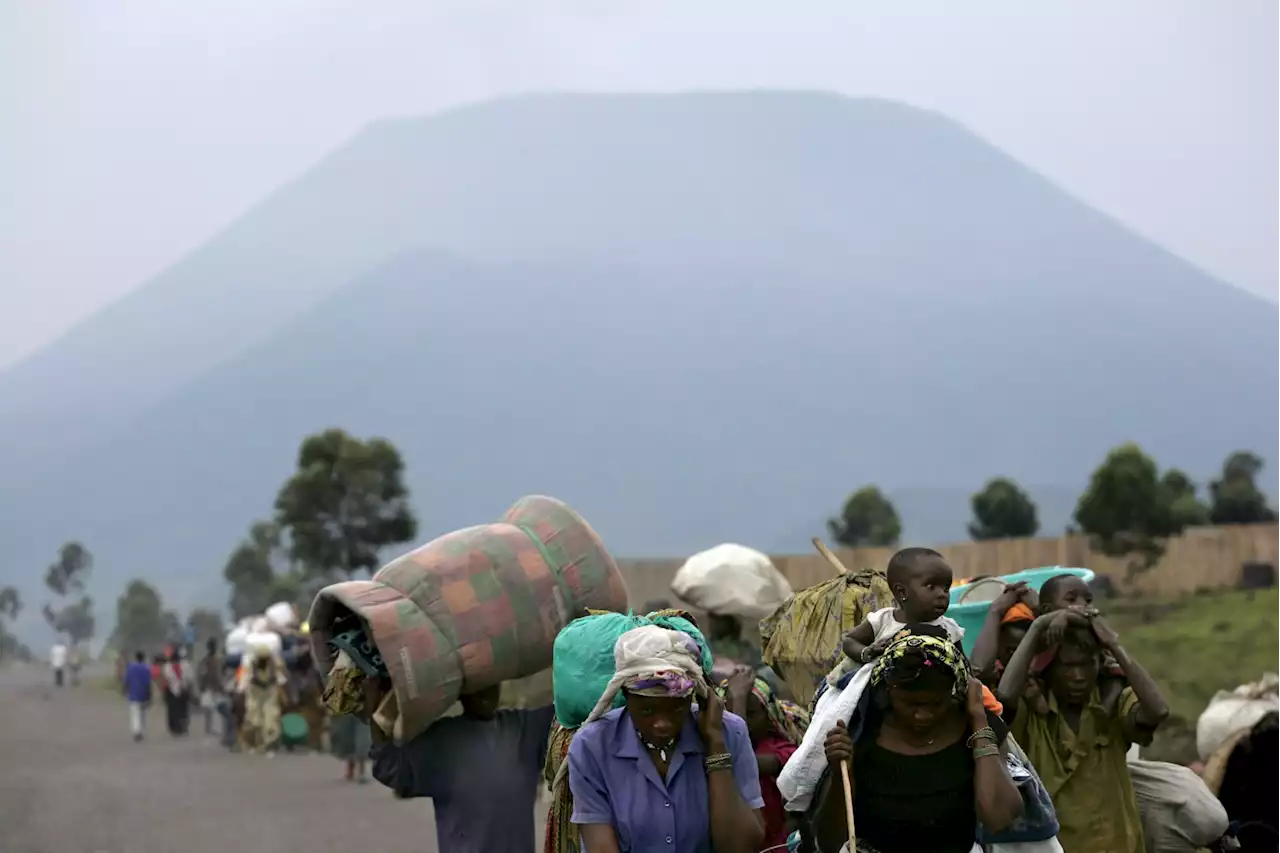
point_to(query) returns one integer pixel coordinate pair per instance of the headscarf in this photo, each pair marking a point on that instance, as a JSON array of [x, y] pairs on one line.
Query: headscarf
[[935, 651], [652, 661], [789, 720], [1019, 612], [670, 683]]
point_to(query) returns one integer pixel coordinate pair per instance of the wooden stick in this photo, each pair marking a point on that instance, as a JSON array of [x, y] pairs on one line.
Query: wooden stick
[[831, 558], [848, 805]]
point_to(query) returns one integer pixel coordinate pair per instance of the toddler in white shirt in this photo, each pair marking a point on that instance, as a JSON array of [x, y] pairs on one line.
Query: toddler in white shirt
[[920, 580]]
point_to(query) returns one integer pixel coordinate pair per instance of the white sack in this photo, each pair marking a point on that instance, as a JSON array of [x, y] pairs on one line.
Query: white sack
[[237, 640], [732, 580], [282, 615], [1228, 712], [1179, 812]]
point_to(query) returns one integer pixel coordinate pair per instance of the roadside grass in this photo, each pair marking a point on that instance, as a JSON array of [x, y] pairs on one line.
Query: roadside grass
[[1194, 646]]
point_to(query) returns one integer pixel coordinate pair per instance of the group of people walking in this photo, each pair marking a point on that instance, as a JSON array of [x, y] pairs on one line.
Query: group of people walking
[[243, 703], [1023, 744], [170, 675]]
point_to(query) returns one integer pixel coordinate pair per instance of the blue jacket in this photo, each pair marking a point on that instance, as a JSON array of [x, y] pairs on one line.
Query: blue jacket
[[137, 682]]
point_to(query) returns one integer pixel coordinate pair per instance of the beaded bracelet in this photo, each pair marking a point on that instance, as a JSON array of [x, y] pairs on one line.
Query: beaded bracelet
[[984, 733], [985, 751], [719, 761]]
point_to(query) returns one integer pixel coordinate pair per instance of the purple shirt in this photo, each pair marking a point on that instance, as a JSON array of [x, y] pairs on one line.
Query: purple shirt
[[482, 775], [614, 781]]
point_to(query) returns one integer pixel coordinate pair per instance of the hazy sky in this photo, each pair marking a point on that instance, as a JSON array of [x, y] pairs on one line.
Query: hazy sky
[[131, 130]]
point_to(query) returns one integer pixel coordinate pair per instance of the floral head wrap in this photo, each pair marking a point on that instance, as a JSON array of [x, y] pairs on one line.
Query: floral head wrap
[[789, 720], [670, 682], [935, 652]]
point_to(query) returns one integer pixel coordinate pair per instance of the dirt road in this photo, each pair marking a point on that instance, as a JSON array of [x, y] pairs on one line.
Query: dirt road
[[72, 781]]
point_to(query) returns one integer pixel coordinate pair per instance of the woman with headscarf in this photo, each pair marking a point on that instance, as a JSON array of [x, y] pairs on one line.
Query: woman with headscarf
[[925, 758], [776, 727], [655, 775]]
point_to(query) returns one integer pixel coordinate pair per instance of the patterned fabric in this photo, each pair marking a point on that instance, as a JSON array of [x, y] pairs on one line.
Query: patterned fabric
[[802, 639], [475, 607], [934, 650], [344, 690], [363, 653], [561, 835], [789, 720], [670, 683]]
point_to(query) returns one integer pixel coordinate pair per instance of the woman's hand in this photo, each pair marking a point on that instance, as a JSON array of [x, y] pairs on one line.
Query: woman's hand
[[838, 746], [711, 723], [973, 702]]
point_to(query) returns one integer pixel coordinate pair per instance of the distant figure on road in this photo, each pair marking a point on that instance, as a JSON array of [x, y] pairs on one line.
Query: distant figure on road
[[58, 660], [74, 662], [176, 677], [209, 683], [137, 692], [482, 769], [262, 690]]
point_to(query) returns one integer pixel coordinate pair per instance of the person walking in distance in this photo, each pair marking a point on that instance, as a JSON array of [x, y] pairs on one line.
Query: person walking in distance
[[137, 692], [209, 682], [58, 660]]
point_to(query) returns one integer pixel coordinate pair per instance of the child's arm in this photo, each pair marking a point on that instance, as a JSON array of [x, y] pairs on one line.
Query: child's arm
[[1018, 669], [988, 640], [1152, 708], [857, 641]]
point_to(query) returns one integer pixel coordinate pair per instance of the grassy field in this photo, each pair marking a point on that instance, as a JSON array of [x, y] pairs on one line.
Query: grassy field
[[1195, 646]]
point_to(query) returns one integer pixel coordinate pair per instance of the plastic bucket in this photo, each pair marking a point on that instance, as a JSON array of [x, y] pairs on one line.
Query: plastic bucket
[[293, 729], [971, 614]]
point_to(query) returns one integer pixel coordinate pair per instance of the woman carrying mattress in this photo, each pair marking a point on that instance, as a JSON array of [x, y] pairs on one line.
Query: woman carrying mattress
[[655, 774]]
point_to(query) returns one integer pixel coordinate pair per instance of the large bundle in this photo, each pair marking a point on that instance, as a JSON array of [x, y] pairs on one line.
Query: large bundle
[[802, 639], [1178, 811], [474, 608], [282, 615], [731, 580], [1235, 710], [583, 658]]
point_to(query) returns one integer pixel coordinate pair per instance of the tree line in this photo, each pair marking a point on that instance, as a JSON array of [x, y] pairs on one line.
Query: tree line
[[345, 502], [1129, 509]]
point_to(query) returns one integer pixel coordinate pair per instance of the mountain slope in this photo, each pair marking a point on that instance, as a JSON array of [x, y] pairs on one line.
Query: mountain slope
[[787, 181], [675, 407], [698, 317]]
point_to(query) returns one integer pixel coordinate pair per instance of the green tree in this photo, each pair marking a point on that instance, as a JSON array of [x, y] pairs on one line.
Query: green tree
[[1127, 510], [1002, 510], [251, 570], [10, 602], [867, 518], [344, 504], [1235, 497], [1187, 508], [141, 623], [10, 607], [66, 578], [205, 624]]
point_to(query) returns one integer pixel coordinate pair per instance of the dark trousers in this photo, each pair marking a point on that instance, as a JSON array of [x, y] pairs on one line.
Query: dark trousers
[[57, 676]]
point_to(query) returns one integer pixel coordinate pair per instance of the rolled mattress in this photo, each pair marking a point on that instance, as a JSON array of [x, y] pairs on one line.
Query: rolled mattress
[[475, 607]]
